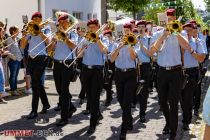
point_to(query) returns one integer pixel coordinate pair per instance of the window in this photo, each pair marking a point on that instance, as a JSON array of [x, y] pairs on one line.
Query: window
[[77, 15], [95, 16], [89, 16]]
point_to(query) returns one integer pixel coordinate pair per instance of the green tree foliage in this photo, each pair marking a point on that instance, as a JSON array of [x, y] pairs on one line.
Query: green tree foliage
[[184, 8], [207, 5], [133, 6]]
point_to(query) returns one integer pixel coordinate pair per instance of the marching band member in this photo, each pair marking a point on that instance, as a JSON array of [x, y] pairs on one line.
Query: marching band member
[[191, 65], [83, 92], [197, 95], [81, 32], [37, 66], [125, 80], [62, 74], [93, 70], [109, 66], [170, 74], [145, 67]]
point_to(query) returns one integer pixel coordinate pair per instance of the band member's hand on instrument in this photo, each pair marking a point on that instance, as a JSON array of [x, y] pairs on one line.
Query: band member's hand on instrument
[[101, 46], [52, 44], [70, 43], [115, 53]]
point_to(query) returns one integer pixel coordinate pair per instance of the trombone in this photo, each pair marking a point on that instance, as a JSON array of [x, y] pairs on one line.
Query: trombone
[[29, 28], [60, 35], [91, 38]]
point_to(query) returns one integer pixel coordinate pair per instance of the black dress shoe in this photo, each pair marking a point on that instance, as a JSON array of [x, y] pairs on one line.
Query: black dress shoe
[[172, 137], [166, 130], [186, 127], [57, 108], [44, 109], [130, 127], [71, 112], [99, 118], [86, 112], [123, 136], [91, 130], [62, 123], [32, 115], [81, 101], [142, 119]]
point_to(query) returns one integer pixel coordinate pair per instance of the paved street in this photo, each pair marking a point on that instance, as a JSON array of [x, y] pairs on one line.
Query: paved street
[[12, 117]]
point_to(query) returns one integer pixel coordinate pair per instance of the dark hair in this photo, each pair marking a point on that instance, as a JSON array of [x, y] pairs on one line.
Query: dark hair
[[12, 29]]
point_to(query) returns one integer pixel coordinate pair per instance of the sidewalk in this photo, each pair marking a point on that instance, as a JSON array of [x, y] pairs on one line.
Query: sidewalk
[[12, 117]]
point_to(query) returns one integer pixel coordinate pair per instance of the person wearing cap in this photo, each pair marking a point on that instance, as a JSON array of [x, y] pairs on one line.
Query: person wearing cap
[[61, 73], [143, 55], [93, 64], [125, 79], [197, 95], [109, 67], [83, 92], [37, 66], [191, 59], [170, 74]]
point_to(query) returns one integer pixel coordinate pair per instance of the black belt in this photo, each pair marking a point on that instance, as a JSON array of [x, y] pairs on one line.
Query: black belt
[[171, 68], [145, 63], [39, 57], [99, 67], [125, 70], [61, 61], [191, 69]]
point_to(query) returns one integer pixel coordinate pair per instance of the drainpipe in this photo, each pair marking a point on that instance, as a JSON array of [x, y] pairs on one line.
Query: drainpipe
[[39, 5]]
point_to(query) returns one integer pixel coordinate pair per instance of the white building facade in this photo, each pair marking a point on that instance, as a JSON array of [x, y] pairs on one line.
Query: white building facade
[[81, 9]]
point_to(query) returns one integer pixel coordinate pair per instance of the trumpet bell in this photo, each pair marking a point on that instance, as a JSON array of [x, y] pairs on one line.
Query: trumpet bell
[[91, 36], [61, 36], [175, 26], [130, 39]]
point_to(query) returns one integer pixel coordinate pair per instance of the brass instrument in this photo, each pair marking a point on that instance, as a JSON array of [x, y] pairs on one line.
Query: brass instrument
[[130, 39], [94, 36], [60, 35], [34, 28], [174, 26], [91, 37]]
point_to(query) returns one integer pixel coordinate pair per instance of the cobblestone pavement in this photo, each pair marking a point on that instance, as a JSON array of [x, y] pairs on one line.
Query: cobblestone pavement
[[12, 117]]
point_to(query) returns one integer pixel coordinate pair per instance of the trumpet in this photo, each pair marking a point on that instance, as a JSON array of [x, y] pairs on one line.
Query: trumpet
[[130, 39]]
